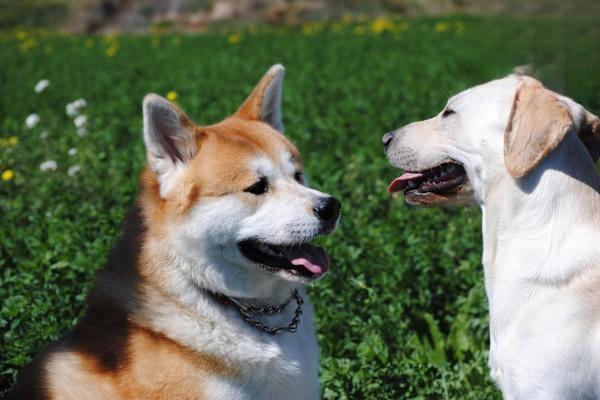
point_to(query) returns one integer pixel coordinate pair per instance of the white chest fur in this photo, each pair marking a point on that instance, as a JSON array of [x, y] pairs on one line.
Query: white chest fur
[[542, 267], [282, 366]]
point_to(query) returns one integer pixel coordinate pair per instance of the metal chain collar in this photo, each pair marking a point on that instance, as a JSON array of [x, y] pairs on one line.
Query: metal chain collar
[[247, 313]]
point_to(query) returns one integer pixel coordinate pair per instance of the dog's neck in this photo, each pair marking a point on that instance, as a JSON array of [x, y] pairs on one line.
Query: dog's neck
[[542, 230], [172, 303]]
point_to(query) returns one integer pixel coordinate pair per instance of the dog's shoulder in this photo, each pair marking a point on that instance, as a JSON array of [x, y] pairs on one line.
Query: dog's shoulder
[[107, 357]]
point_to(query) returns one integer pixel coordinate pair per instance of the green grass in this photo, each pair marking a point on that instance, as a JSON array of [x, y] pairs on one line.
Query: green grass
[[403, 313]]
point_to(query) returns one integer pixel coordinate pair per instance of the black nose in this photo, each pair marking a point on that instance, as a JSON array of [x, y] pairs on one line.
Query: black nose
[[388, 137], [328, 209]]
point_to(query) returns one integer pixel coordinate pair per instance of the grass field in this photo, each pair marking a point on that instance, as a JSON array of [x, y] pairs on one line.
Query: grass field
[[403, 314]]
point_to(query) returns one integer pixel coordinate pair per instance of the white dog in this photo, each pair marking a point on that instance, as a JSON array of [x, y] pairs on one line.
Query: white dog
[[526, 155]]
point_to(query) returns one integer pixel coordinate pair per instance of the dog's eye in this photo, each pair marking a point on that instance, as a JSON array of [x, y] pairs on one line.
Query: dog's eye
[[447, 112], [299, 177], [260, 187]]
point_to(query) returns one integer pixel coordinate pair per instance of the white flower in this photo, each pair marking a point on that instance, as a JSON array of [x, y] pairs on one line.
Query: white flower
[[44, 134], [73, 170], [71, 110], [41, 85], [73, 107], [80, 103], [80, 121], [49, 165], [82, 131], [72, 151], [32, 120]]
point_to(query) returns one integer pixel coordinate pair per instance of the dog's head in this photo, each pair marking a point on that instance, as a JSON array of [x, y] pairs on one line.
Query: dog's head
[[231, 198], [507, 126]]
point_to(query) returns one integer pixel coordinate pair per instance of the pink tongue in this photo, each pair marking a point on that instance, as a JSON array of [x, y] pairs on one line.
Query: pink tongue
[[400, 182], [311, 257]]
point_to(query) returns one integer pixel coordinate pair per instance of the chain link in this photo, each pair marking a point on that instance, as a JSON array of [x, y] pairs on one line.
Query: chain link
[[247, 313]]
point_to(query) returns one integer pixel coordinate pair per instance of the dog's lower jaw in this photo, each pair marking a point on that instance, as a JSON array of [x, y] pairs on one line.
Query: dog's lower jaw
[[216, 273]]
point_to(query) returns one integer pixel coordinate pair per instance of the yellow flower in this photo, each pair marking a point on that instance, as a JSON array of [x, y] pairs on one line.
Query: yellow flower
[[359, 30], [307, 29], [27, 44], [441, 27], [172, 95], [382, 24], [7, 175], [13, 141], [312, 27], [110, 38], [112, 50], [234, 38]]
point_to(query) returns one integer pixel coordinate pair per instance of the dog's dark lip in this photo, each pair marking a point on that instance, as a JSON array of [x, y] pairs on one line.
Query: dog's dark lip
[[431, 185], [271, 257]]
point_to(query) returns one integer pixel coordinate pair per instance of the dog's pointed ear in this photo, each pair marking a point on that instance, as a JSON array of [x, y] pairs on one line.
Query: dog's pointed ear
[[169, 134], [264, 103], [538, 122]]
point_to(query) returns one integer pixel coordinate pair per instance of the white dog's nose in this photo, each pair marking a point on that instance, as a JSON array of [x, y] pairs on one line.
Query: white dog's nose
[[388, 137]]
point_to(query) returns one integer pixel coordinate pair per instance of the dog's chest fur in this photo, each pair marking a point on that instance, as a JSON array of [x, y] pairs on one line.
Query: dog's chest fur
[[259, 366], [541, 267]]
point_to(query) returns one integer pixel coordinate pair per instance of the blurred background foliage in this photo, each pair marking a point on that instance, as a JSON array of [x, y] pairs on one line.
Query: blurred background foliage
[[105, 16]]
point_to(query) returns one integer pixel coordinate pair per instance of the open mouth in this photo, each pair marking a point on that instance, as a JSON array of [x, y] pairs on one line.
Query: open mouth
[[303, 260], [432, 185]]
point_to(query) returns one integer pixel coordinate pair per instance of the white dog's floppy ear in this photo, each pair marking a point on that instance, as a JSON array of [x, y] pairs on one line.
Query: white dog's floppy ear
[[168, 134], [590, 134], [538, 122], [264, 103]]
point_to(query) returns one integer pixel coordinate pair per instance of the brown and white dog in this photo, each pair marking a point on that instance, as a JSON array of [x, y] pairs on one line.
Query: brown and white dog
[[526, 155], [202, 296]]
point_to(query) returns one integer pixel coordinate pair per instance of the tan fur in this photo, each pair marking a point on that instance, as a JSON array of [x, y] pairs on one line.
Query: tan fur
[[75, 376], [218, 167], [537, 124], [590, 135], [250, 109], [157, 368], [181, 370]]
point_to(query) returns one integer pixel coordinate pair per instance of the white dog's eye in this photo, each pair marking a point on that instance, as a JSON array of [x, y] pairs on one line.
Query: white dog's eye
[[299, 177], [258, 188], [447, 112]]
